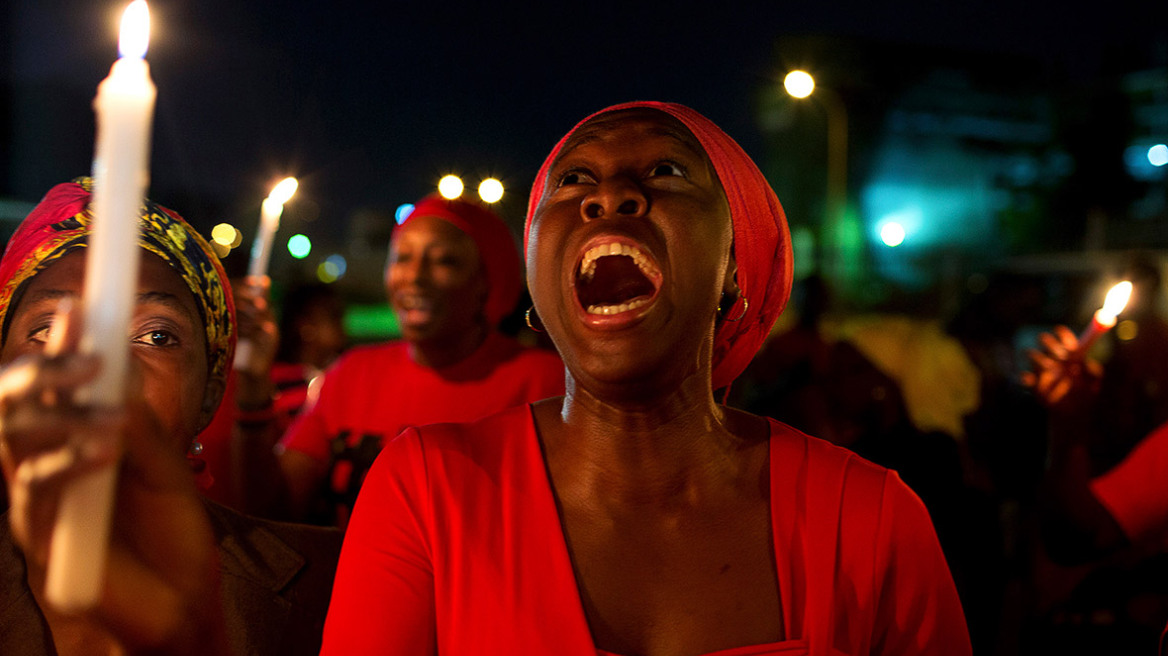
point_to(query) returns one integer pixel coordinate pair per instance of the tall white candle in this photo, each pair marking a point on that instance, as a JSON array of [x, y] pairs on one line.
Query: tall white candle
[[125, 108], [270, 212], [261, 254]]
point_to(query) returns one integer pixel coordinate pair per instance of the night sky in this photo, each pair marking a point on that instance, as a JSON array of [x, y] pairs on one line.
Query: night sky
[[369, 106]]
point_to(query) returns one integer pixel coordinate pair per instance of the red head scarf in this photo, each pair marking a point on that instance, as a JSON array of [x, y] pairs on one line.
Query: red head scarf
[[494, 242], [61, 223], [762, 244]]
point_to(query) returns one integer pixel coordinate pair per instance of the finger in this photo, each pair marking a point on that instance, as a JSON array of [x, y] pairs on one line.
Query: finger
[[31, 376], [66, 329], [33, 429], [1066, 338], [1053, 345], [36, 486]]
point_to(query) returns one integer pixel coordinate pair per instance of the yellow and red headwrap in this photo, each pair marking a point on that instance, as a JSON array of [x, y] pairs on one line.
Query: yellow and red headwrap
[[60, 224]]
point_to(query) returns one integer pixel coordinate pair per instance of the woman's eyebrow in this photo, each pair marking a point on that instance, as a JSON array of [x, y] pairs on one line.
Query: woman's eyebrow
[[164, 298], [42, 295]]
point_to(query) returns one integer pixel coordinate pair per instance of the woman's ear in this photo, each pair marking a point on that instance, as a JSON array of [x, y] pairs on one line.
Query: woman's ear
[[212, 396], [730, 287]]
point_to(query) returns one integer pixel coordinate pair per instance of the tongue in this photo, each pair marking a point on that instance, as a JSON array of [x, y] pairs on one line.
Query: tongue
[[617, 280]]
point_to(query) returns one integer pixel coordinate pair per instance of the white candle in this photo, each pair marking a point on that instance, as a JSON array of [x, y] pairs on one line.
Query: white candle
[[270, 211], [125, 108], [1105, 317], [261, 254]]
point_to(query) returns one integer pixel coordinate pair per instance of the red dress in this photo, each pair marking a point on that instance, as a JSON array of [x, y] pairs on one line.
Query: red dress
[[374, 392], [456, 547]]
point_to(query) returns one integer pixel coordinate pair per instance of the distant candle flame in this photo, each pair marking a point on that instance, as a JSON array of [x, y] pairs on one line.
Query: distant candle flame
[[135, 31], [1116, 300], [284, 191]]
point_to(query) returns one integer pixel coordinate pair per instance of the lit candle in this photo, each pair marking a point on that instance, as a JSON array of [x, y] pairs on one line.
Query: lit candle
[[1105, 316], [125, 108], [270, 211], [261, 253]]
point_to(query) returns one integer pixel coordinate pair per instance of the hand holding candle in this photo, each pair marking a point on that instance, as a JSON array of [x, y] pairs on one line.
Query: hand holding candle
[[1104, 319], [261, 253], [125, 108]]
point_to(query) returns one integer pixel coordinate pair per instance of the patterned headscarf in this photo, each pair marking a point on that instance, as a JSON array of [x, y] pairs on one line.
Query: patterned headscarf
[[60, 224], [762, 244], [494, 242]]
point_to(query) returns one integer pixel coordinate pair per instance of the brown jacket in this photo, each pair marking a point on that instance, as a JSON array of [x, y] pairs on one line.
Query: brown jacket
[[275, 577]]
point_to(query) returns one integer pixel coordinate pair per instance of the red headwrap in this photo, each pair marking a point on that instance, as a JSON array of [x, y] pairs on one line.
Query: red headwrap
[[762, 245], [494, 242], [61, 223]]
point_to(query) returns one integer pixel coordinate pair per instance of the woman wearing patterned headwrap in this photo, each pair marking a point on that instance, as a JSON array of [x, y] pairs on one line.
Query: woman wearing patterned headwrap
[[636, 515], [184, 575], [453, 274]]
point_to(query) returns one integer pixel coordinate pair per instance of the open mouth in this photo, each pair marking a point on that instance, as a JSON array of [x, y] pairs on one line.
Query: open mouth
[[613, 278]]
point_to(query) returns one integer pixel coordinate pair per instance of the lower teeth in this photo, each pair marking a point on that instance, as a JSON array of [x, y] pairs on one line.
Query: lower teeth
[[617, 309]]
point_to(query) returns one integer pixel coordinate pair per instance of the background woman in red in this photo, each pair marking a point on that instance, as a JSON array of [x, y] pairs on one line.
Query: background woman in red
[[453, 273], [636, 515]]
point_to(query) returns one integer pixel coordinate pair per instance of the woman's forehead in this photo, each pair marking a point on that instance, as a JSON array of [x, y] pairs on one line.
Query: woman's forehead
[[646, 119], [432, 229]]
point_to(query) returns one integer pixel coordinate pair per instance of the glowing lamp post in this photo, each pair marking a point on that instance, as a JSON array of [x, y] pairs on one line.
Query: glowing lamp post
[[1104, 319], [800, 84], [124, 107]]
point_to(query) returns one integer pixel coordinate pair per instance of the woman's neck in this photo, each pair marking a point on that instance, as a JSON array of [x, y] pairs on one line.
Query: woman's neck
[[448, 350], [665, 449]]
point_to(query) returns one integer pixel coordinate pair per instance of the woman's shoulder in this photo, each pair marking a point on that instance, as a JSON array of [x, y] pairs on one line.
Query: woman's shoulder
[[818, 462], [460, 439]]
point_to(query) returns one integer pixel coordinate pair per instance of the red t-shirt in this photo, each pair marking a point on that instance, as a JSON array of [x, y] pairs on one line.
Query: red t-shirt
[[456, 547], [372, 393], [1133, 491]]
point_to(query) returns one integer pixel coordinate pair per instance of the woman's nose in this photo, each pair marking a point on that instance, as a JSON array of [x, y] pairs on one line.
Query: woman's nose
[[615, 198]]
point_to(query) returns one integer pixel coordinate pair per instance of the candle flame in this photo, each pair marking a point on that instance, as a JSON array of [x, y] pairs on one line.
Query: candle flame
[[135, 32], [1116, 299], [284, 191]]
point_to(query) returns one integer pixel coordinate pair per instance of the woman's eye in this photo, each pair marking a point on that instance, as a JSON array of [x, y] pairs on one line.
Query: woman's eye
[[156, 338], [575, 177], [41, 334], [667, 168]]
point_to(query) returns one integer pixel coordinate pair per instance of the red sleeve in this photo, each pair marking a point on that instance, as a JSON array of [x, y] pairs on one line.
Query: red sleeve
[[383, 595], [918, 611], [1125, 490]]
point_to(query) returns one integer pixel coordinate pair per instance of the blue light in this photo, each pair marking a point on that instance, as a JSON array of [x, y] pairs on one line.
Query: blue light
[[403, 212], [299, 246], [1158, 155], [337, 264], [892, 234]]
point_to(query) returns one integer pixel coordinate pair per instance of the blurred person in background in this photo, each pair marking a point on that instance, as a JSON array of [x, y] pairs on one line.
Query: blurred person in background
[[1117, 518], [452, 274]]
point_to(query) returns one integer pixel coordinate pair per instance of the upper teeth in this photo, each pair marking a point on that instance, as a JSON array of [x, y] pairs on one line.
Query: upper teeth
[[588, 265]]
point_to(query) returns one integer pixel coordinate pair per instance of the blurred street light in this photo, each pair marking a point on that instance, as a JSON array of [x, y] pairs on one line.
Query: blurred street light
[[800, 84], [450, 187], [491, 190]]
